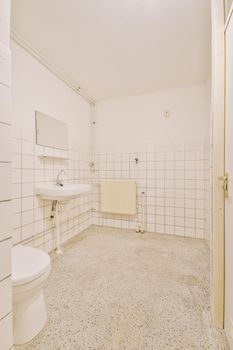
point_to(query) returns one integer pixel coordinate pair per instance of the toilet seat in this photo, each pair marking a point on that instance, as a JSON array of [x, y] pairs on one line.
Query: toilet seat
[[28, 264]]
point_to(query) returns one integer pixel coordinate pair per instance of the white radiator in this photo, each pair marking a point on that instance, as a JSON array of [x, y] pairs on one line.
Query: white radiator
[[118, 197]]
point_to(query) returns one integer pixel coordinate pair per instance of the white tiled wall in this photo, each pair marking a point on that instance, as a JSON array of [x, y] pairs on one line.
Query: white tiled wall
[[31, 214], [5, 180], [173, 179], [31, 224]]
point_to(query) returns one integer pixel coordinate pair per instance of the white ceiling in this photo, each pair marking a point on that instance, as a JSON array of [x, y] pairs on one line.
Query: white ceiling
[[114, 48]]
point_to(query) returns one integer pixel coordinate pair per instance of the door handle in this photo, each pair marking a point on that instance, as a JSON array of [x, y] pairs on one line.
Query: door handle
[[225, 186], [223, 178]]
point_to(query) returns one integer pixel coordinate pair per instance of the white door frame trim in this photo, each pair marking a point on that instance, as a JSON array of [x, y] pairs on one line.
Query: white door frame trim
[[218, 112]]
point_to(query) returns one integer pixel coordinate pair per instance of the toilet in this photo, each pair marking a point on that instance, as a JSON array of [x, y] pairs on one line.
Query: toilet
[[30, 269]]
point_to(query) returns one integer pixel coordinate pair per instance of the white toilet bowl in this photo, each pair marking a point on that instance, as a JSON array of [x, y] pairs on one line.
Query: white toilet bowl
[[30, 269]]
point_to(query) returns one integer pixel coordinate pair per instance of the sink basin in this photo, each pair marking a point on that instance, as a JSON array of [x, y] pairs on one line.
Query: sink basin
[[61, 193]]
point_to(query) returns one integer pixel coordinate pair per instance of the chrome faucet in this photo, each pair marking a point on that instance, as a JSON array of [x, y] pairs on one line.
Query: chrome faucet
[[58, 181]]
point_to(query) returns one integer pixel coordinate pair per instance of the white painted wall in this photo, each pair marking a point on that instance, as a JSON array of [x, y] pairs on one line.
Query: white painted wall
[[5, 180], [35, 87], [139, 119]]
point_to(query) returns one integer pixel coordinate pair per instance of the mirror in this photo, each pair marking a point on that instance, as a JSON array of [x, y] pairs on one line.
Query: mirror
[[51, 132]]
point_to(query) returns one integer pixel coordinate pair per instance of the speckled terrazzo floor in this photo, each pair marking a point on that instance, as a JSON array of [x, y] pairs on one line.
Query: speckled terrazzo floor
[[115, 290]]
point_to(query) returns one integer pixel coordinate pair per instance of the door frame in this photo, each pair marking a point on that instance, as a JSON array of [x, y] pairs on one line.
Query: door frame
[[218, 117], [228, 168]]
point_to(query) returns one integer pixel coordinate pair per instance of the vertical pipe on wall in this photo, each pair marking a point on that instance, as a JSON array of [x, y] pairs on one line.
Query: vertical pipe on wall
[[93, 122], [58, 228], [143, 212], [92, 161]]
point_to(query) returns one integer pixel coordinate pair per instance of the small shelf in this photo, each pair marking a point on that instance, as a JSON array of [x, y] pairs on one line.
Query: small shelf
[[52, 153], [52, 156]]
